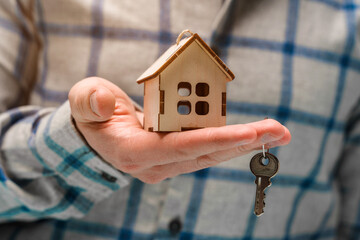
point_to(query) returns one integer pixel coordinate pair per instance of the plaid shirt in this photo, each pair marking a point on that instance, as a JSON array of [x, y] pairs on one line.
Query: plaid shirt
[[295, 61]]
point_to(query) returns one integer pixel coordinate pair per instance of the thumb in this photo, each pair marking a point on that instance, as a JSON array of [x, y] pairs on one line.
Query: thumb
[[91, 102]]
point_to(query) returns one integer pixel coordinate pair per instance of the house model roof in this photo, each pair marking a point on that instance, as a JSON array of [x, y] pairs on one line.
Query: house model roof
[[174, 51]]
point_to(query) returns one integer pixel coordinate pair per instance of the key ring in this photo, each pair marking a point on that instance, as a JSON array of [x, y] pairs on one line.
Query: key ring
[[263, 149], [263, 146]]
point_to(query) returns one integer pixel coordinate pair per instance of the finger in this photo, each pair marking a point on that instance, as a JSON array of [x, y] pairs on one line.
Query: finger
[[146, 149], [225, 155], [283, 141], [159, 150], [161, 172], [174, 147], [93, 100], [189, 145]]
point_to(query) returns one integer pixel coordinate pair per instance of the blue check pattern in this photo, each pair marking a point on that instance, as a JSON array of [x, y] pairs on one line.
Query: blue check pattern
[[54, 186]]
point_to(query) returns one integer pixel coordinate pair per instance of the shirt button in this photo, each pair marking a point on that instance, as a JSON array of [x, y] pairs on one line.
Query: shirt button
[[175, 226]]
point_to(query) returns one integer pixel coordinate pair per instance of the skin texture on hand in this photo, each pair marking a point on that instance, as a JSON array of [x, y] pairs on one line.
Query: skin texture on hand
[[107, 119]]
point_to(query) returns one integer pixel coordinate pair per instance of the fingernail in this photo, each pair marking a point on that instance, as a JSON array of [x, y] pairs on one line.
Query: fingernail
[[267, 137], [93, 104]]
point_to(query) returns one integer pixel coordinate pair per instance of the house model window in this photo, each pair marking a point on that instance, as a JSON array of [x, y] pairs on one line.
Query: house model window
[[185, 88], [184, 107], [202, 89]]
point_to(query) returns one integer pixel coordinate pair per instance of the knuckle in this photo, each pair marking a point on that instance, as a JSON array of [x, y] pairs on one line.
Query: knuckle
[[157, 170], [79, 103], [152, 179], [178, 147], [241, 149], [129, 168], [78, 106], [204, 162], [211, 136], [214, 138], [153, 175], [180, 154]]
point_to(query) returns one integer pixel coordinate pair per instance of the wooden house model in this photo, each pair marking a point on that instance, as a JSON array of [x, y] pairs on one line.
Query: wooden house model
[[185, 88]]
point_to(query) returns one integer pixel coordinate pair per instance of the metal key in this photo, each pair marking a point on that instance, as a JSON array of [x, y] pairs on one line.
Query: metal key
[[263, 173]]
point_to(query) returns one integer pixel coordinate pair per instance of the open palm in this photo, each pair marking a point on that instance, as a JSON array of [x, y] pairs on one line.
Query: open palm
[[109, 122]]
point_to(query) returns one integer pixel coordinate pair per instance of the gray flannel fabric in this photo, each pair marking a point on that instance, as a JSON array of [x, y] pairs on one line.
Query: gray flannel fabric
[[297, 61]]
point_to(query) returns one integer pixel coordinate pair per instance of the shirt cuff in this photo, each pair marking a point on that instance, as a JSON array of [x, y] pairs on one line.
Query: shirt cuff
[[77, 163]]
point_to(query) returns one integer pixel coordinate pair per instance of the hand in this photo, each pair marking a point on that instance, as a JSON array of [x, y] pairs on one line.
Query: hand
[[106, 117]]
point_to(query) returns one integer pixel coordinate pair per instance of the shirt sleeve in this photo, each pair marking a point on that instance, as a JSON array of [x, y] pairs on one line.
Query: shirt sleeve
[[348, 175], [47, 170]]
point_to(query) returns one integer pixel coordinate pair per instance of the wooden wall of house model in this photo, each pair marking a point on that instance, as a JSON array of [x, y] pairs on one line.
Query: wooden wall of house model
[[185, 88]]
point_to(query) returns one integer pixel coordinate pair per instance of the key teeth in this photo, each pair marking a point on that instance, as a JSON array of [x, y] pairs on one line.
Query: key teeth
[[264, 196]]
